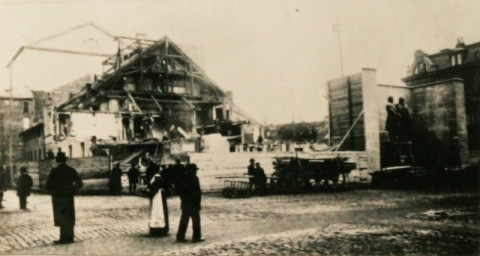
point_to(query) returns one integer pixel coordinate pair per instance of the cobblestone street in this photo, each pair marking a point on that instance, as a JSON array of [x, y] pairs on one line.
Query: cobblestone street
[[352, 222]]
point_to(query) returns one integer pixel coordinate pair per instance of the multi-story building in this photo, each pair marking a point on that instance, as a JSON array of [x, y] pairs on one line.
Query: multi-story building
[[451, 81], [152, 93], [12, 123]]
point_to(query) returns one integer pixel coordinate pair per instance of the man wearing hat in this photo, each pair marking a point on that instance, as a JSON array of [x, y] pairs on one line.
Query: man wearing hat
[[63, 183], [24, 184], [251, 173], [190, 197], [3, 184]]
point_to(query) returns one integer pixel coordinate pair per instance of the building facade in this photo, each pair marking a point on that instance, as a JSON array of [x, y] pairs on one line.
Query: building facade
[[151, 92], [449, 68], [442, 94], [21, 117]]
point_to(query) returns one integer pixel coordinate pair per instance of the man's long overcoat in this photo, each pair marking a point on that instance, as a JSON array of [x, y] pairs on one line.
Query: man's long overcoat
[[63, 183]]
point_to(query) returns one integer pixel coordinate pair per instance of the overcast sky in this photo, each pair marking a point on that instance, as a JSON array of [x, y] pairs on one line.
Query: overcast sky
[[275, 56]]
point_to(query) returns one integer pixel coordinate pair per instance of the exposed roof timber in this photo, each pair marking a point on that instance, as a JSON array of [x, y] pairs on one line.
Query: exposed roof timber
[[215, 86], [134, 102], [15, 56], [156, 103], [59, 34], [70, 30], [180, 101], [188, 102], [109, 112], [240, 111], [66, 51], [135, 39], [109, 78], [32, 45]]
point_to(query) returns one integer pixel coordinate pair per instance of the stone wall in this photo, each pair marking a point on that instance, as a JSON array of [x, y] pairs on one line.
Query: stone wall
[[215, 167], [94, 172], [439, 124]]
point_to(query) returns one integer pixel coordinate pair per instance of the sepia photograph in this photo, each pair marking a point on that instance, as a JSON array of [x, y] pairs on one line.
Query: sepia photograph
[[240, 127]]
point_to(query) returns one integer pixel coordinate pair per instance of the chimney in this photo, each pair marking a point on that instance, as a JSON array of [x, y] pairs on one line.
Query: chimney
[[460, 43]]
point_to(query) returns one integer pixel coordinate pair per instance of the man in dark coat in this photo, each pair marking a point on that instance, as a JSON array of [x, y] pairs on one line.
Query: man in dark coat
[[116, 180], [392, 120], [403, 119], [251, 173], [133, 175], [63, 183], [190, 197], [3, 184], [24, 185], [260, 180], [178, 175], [152, 169]]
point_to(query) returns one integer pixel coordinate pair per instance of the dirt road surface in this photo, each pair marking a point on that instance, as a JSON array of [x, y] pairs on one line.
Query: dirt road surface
[[355, 222]]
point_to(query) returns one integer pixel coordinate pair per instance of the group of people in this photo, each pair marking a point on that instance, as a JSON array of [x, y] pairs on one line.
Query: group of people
[[257, 178], [64, 182], [24, 186], [163, 180], [398, 120]]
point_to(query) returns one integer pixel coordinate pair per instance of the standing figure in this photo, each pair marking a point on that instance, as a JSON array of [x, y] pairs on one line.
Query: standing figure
[[152, 169], [190, 197], [116, 180], [178, 174], [158, 224], [63, 183], [167, 177], [251, 173], [133, 175], [3, 185], [392, 120], [403, 120], [24, 185], [260, 180]]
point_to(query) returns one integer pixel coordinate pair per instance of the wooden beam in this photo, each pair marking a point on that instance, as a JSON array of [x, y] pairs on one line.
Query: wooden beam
[[134, 38], [133, 101], [59, 34], [188, 102], [66, 51], [15, 56], [156, 103]]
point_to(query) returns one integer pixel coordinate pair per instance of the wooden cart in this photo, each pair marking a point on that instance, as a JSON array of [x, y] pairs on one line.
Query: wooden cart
[[236, 186]]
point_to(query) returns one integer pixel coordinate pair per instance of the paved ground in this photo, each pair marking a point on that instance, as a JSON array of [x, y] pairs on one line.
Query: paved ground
[[353, 222]]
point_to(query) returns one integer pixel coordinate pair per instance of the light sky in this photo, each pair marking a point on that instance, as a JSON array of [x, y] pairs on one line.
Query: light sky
[[275, 56]]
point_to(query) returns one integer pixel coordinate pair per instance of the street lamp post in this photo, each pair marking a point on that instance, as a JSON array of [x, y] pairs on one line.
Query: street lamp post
[[10, 116]]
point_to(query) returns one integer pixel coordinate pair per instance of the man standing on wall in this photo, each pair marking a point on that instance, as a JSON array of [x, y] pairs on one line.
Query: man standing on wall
[[63, 183], [404, 120], [392, 120]]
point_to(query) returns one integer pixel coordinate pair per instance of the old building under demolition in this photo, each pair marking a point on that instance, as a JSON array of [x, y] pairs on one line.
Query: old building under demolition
[[153, 92], [153, 98]]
